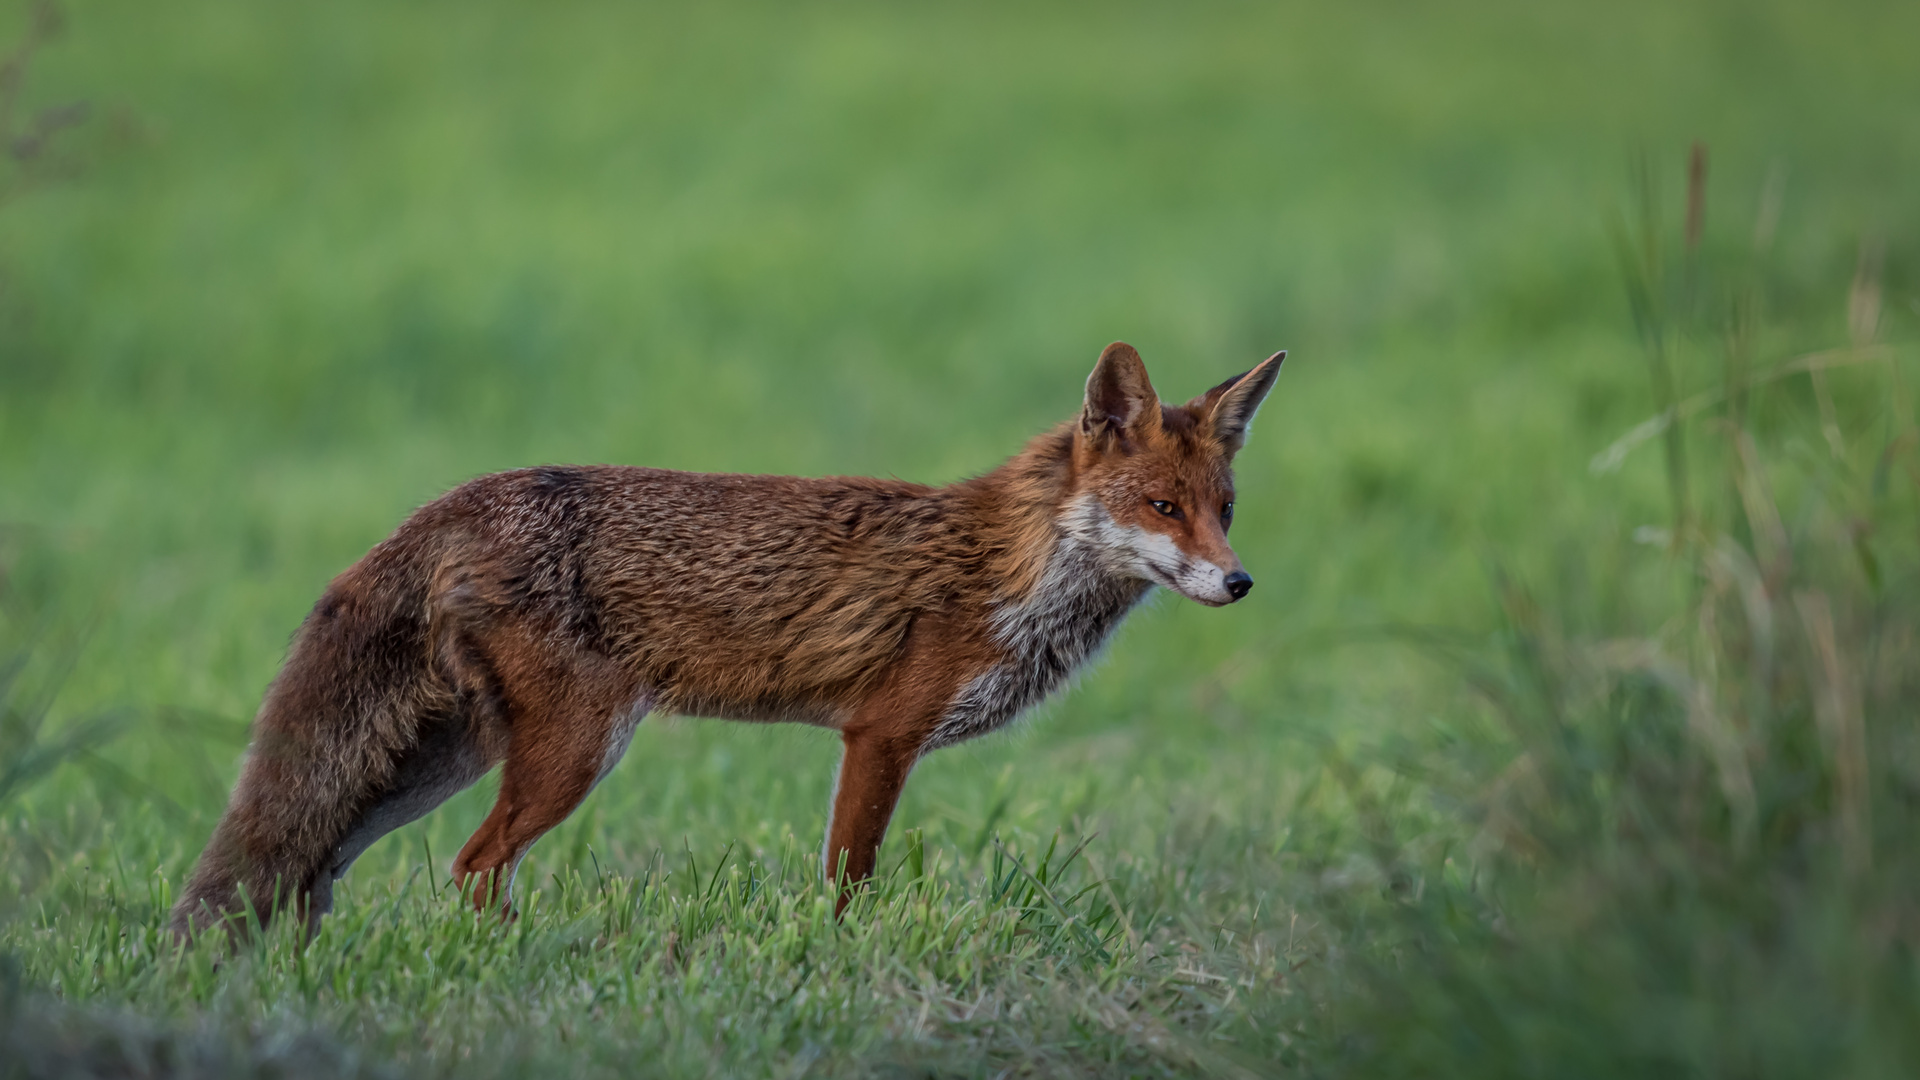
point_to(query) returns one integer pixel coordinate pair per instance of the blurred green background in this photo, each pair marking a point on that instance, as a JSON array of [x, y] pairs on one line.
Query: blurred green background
[[311, 265], [307, 266]]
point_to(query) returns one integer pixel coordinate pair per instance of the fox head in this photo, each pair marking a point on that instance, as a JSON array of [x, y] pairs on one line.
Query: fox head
[[1154, 482]]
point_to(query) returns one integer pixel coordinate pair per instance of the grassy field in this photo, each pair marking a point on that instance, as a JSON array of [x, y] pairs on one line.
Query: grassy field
[[1511, 766]]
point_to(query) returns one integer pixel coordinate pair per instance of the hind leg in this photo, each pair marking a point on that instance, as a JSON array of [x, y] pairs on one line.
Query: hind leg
[[452, 753], [569, 728]]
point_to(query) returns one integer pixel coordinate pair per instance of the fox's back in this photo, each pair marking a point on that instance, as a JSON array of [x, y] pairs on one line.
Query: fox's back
[[762, 597]]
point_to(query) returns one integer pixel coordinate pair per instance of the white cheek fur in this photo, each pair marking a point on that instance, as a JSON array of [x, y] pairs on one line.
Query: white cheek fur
[[1145, 554]]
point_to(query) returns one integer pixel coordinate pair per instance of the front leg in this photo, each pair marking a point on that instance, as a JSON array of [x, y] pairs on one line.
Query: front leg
[[873, 769]]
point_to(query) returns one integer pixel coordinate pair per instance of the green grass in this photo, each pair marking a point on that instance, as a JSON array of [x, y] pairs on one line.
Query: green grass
[[1476, 783]]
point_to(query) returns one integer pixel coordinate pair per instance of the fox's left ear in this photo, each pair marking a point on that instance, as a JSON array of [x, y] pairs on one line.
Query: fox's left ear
[[1228, 409]]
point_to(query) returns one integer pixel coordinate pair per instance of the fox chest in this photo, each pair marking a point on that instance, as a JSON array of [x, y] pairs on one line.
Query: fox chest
[[1068, 620]]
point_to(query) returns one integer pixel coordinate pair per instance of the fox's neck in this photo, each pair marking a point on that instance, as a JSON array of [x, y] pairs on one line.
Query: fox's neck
[[1023, 511], [1033, 525]]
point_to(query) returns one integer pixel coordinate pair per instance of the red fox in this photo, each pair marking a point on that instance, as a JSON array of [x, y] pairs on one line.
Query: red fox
[[533, 617]]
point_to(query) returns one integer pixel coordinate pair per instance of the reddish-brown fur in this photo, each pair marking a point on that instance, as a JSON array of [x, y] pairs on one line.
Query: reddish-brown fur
[[533, 617]]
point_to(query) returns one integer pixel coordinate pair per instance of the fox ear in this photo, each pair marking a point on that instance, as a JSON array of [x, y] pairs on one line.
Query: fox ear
[[1229, 407], [1121, 404]]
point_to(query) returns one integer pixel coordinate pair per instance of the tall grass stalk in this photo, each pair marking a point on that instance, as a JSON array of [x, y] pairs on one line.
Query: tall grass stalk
[[1695, 829]]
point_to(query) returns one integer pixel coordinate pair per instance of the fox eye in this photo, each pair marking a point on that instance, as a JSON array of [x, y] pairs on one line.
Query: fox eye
[[1226, 514], [1166, 508]]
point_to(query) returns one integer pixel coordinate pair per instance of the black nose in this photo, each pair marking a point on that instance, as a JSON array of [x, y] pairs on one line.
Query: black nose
[[1239, 583]]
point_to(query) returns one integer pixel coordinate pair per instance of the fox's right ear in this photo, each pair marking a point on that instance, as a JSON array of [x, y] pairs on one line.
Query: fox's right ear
[[1121, 405]]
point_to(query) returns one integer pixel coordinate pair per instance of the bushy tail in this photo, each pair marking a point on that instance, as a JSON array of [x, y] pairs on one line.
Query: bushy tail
[[326, 741]]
